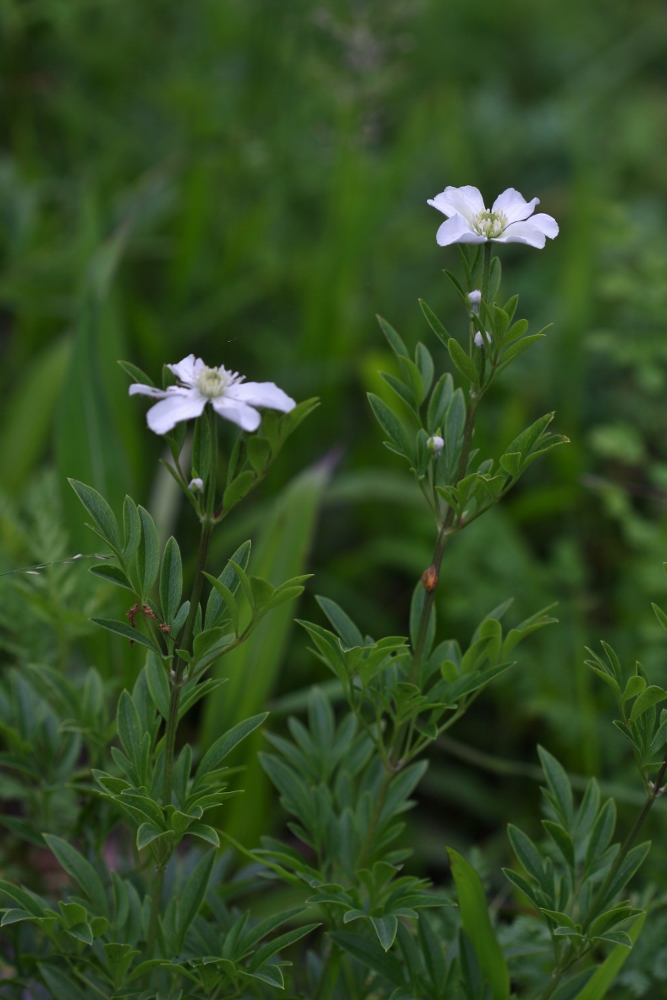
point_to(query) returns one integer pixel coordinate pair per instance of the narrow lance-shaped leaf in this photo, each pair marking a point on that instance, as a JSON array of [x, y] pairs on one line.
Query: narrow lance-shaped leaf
[[477, 925], [171, 580], [100, 511]]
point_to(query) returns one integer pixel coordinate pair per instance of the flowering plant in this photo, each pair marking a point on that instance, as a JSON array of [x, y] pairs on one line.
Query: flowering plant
[[157, 901]]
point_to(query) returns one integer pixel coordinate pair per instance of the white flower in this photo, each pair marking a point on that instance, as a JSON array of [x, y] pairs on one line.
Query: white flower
[[474, 298], [196, 485], [479, 340], [511, 219], [227, 392], [435, 444]]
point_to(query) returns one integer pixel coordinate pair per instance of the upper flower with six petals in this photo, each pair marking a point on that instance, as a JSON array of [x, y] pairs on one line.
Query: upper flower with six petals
[[510, 220], [228, 393]]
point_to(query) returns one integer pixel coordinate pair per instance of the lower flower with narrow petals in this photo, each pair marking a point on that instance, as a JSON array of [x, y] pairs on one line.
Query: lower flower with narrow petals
[[509, 220], [228, 393]]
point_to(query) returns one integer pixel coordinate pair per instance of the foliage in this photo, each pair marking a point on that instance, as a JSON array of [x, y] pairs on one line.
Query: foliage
[[148, 908], [156, 197]]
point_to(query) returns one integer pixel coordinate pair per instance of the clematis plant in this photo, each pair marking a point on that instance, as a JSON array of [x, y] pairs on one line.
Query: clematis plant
[[148, 907]]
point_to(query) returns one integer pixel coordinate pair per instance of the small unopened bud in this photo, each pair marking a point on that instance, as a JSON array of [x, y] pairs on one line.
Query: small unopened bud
[[474, 298], [430, 579], [479, 339], [196, 485], [435, 444]]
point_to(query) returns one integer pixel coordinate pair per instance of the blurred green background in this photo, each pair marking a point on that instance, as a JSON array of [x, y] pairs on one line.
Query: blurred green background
[[247, 180]]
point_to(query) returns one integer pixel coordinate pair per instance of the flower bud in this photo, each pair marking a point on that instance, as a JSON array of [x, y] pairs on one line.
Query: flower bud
[[196, 485], [479, 340], [474, 298], [435, 444]]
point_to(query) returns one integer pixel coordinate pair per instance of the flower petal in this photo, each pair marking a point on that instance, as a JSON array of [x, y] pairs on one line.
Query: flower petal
[[238, 412], [514, 206], [261, 394], [533, 232], [187, 369], [457, 230], [466, 201], [139, 389], [176, 407]]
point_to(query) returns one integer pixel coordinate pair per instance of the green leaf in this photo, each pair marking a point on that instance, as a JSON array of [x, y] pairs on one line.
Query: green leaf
[[204, 832], [403, 391], [158, 685], [395, 342], [289, 422], [562, 840], [651, 696], [440, 399], [147, 833], [477, 925], [347, 630], [215, 606], [598, 987], [201, 450], [95, 430], [193, 895], [237, 489], [225, 744], [518, 348], [385, 928], [433, 953], [131, 528], [391, 425], [526, 852], [129, 728], [100, 511], [60, 985], [229, 601], [113, 574], [26, 900], [259, 453], [271, 948], [371, 955], [660, 615], [15, 916], [148, 554], [559, 786], [80, 870], [603, 831], [119, 958], [464, 364], [133, 634], [630, 864], [28, 413], [635, 686], [434, 323], [244, 580], [81, 932], [171, 580], [136, 374]]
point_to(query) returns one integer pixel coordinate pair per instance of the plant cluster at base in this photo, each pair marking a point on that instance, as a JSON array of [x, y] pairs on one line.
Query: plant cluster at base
[[157, 901]]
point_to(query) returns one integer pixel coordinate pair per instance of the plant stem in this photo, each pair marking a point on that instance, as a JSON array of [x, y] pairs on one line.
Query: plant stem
[[177, 673], [179, 668], [486, 271], [156, 893], [631, 837]]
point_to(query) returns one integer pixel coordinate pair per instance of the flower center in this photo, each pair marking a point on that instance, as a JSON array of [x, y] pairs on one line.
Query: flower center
[[490, 224], [212, 382]]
